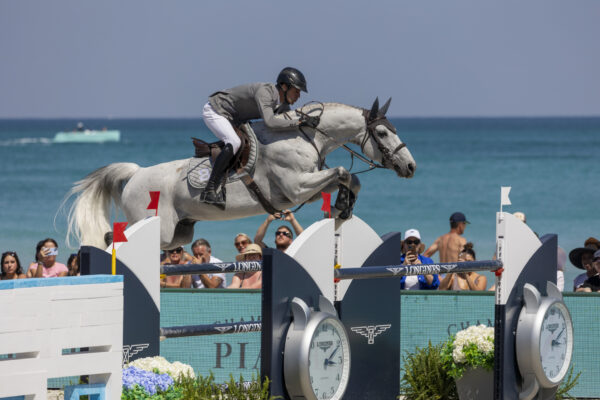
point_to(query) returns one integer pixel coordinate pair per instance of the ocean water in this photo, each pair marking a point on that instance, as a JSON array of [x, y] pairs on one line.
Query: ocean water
[[551, 165]]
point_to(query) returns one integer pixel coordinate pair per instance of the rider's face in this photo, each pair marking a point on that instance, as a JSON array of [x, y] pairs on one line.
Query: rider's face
[[293, 94]]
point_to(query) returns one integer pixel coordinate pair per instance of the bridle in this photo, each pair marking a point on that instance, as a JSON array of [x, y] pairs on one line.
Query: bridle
[[371, 123]]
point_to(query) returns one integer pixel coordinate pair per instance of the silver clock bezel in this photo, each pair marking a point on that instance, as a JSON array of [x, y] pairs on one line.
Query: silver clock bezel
[[528, 335], [300, 334]]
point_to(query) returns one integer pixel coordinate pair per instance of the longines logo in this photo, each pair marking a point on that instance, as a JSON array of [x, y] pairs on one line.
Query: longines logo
[[240, 328], [395, 270], [370, 331], [224, 329], [130, 351], [240, 266]]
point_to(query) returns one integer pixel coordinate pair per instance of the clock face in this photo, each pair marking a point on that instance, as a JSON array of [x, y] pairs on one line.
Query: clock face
[[556, 341], [329, 360]]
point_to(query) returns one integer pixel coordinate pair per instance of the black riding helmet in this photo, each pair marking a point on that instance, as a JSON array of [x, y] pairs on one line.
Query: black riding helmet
[[291, 76]]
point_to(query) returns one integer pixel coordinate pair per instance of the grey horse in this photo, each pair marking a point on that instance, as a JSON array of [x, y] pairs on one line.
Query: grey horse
[[287, 171]]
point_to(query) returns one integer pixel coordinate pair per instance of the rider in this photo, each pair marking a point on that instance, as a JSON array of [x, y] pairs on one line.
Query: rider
[[235, 106]]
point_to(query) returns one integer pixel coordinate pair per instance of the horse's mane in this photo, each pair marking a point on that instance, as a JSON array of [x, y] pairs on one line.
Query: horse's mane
[[306, 108]]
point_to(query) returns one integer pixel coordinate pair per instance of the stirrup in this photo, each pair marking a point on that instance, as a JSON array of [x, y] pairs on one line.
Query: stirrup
[[214, 198]]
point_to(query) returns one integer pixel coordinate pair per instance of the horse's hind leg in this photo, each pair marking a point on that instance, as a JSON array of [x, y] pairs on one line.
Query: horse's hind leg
[[184, 233]]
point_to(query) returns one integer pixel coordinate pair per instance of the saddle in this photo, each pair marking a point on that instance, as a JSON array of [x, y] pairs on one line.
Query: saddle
[[241, 167], [212, 150]]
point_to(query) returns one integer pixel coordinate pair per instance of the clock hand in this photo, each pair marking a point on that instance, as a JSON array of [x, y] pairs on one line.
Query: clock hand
[[332, 354], [561, 332], [555, 342]]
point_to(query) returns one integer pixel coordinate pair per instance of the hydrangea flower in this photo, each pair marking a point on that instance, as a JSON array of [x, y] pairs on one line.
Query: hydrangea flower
[[150, 381], [482, 336], [470, 348], [161, 365]]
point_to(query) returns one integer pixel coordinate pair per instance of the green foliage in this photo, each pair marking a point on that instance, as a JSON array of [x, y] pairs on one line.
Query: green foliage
[[205, 388], [474, 358], [567, 384], [424, 376], [138, 393]]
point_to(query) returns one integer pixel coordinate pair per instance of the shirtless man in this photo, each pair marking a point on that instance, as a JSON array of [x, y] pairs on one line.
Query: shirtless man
[[451, 244]]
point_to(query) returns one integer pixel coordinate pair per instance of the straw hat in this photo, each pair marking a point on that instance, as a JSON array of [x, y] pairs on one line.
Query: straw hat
[[252, 248], [521, 216]]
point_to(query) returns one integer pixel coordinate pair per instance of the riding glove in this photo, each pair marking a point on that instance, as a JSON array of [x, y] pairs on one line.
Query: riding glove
[[311, 122]]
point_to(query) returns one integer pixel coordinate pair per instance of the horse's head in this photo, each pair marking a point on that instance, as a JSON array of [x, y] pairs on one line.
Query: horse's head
[[381, 143]]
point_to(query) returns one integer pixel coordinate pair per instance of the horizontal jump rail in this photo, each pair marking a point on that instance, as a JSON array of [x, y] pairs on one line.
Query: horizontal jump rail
[[210, 329], [389, 271], [211, 268], [397, 271]]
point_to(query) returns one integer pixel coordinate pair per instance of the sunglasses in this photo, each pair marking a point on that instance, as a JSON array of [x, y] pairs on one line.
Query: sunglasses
[[409, 241], [175, 251], [284, 233], [243, 242], [9, 253]]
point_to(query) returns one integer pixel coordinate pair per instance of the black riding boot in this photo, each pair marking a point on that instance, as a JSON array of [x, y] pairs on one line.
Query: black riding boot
[[209, 195]]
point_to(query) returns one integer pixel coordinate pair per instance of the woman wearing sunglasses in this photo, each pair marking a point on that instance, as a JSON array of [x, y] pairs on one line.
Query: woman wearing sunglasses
[[411, 255], [175, 256]]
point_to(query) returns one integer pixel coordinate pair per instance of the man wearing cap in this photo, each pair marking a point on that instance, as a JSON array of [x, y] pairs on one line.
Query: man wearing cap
[[450, 244], [582, 258], [592, 284], [411, 256]]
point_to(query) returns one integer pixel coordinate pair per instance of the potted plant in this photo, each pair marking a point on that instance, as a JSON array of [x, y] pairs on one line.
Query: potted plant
[[468, 357]]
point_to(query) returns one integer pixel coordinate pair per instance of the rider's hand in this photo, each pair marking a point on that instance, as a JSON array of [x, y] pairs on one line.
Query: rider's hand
[[311, 122]]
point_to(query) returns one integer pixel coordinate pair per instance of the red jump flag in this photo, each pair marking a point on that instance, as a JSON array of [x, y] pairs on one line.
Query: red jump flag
[[154, 196], [119, 232], [118, 236], [326, 203]]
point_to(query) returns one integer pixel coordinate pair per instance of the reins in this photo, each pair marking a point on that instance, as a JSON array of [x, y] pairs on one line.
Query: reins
[[370, 132]]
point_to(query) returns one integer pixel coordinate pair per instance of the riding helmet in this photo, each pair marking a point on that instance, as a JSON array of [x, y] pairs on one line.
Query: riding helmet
[[292, 76]]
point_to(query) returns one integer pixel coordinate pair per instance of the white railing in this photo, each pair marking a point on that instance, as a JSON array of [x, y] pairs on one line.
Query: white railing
[[43, 320]]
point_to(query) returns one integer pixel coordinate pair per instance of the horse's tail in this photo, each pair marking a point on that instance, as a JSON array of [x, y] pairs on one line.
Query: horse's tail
[[89, 215]]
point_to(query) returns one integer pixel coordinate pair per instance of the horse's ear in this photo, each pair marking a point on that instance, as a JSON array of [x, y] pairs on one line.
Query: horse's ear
[[374, 109], [385, 107]]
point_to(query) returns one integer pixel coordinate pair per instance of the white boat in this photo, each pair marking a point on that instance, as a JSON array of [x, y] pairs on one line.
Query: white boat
[[87, 136]]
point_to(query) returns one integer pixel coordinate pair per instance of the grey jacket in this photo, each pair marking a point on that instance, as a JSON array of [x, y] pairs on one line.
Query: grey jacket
[[252, 101]]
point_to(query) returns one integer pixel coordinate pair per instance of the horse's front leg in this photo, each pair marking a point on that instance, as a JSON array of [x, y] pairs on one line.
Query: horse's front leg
[[344, 203], [303, 187]]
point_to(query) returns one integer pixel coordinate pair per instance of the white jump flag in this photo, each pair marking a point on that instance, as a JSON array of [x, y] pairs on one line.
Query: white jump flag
[[504, 200]]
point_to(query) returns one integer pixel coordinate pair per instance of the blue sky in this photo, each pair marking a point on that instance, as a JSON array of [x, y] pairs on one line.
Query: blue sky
[[72, 58]]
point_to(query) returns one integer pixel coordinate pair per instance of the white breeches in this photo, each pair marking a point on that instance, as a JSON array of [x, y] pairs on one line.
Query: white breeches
[[221, 127]]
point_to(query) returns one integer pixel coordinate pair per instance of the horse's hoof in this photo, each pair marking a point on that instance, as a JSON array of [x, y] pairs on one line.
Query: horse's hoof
[[343, 198]]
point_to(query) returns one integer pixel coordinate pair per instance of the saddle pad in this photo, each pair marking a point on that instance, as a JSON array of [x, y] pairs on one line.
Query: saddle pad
[[199, 169]]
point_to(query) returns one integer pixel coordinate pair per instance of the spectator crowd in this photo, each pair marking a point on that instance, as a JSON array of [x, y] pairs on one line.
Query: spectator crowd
[[450, 247]]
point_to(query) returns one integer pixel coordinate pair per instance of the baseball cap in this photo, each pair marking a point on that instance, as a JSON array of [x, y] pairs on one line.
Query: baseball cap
[[458, 217], [412, 233]]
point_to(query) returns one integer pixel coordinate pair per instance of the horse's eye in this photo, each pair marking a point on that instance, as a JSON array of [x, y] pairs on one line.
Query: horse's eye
[[381, 131]]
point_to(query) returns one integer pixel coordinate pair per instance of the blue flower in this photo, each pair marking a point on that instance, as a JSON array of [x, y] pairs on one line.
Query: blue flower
[[149, 381]]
